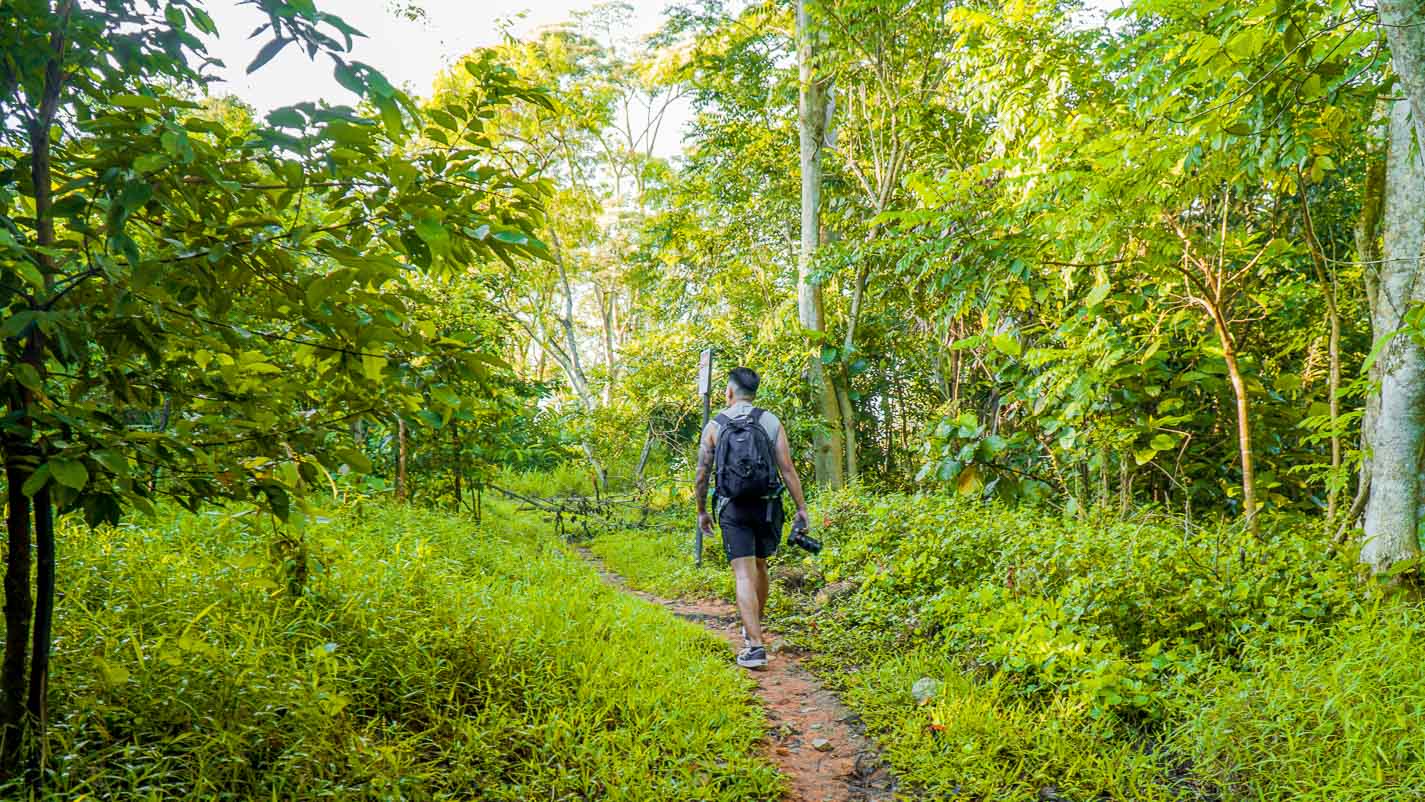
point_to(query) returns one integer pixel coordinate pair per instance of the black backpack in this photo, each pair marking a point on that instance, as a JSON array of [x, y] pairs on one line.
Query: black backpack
[[746, 468]]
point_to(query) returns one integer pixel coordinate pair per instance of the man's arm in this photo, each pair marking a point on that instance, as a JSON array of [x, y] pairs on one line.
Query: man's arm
[[704, 475], [789, 473]]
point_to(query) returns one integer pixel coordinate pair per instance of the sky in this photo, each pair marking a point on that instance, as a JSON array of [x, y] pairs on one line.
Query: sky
[[410, 54]]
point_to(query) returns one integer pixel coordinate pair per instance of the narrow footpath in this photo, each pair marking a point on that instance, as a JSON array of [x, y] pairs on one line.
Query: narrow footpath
[[814, 740]]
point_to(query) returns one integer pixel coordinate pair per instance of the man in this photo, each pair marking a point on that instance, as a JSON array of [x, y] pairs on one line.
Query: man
[[751, 523]]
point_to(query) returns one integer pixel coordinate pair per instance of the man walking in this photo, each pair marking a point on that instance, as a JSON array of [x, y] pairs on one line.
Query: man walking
[[749, 448]]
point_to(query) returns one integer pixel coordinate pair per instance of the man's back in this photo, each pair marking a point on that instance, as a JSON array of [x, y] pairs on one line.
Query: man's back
[[770, 422]]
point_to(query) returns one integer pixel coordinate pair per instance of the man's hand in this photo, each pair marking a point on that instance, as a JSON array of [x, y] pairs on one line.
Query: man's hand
[[802, 518], [705, 522]]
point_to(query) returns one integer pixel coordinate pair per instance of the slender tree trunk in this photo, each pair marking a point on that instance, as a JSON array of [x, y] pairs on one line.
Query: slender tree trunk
[[1368, 252], [19, 606], [401, 488], [1244, 427], [16, 711], [459, 468], [1392, 509], [814, 119], [843, 390], [1327, 280], [644, 455], [38, 705]]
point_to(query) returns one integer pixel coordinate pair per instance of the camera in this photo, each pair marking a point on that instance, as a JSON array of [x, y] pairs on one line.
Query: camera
[[801, 539]]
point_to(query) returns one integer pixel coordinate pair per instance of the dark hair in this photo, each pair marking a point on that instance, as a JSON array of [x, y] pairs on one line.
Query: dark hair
[[745, 379]]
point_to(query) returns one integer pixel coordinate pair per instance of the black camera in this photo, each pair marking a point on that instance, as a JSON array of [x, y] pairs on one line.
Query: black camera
[[801, 539]]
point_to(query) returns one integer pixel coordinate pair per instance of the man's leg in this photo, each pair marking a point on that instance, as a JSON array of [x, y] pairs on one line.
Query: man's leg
[[764, 585], [749, 600]]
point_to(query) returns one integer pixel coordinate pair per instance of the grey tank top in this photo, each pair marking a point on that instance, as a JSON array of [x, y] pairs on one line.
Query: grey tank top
[[770, 423]]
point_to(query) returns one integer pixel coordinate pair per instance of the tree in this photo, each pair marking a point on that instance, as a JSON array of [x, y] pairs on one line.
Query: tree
[[815, 112], [194, 311], [1396, 432]]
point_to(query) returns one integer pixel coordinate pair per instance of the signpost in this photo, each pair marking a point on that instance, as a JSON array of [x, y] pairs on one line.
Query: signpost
[[704, 389]]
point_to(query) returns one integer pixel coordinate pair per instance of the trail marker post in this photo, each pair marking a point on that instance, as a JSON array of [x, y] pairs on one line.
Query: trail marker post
[[704, 389]]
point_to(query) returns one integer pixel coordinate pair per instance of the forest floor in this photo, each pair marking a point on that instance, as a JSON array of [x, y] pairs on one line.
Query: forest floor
[[816, 742]]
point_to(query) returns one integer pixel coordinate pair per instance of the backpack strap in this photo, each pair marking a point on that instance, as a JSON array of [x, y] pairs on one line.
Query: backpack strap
[[723, 420], [755, 414]]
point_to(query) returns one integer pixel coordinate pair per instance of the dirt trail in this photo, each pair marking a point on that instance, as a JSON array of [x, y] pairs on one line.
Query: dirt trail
[[812, 737]]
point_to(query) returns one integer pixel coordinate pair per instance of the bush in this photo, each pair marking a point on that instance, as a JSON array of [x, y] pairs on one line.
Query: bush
[[427, 659], [1335, 715], [1115, 614]]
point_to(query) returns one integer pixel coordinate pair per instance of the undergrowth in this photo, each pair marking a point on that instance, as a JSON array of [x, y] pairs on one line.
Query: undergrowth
[[426, 659], [1067, 659]]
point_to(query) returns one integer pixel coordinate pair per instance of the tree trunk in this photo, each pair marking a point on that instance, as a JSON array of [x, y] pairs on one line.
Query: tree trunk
[[1392, 510], [644, 455], [20, 455], [1244, 427], [18, 608], [401, 488], [1327, 280], [455, 442], [1368, 252], [38, 705], [814, 116]]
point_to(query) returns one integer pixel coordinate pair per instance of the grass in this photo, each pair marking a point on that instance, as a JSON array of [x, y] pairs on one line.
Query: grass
[[427, 659], [1100, 660], [659, 560]]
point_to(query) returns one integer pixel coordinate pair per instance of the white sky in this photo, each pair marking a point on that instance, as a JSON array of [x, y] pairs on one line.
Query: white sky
[[409, 54]]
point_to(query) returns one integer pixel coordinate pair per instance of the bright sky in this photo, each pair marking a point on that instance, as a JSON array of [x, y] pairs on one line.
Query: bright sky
[[409, 54]]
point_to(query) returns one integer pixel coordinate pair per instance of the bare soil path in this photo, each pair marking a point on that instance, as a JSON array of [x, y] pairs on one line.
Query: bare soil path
[[815, 741]]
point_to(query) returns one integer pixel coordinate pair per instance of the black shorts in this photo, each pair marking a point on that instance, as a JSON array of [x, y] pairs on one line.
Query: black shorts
[[746, 532]]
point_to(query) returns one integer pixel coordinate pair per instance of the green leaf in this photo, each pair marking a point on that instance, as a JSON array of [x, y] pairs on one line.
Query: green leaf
[[266, 54], [1006, 344], [151, 162], [1097, 294], [373, 366], [36, 481], [286, 117], [1163, 441], [346, 75], [70, 473], [1145, 455], [134, 101], [26, 375]]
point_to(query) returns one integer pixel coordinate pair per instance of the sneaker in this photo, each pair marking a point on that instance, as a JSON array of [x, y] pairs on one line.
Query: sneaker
[[752, 657]]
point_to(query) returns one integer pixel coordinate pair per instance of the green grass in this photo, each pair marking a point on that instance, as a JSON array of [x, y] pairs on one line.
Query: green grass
[[428, 659], [659, 560], [1333, 716], [1103, 660]]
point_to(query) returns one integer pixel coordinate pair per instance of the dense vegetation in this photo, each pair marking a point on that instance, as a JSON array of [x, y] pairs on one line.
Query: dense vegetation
[[1002, 653], [1100, 334], [428, 659]]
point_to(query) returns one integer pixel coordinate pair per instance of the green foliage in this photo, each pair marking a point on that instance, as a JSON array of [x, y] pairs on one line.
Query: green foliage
[[1330, 715], [1110, 614], [978, 739], [1130, 659], [429, 659], [659, 560]]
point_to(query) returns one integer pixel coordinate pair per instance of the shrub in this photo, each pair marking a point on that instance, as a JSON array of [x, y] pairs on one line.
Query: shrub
[[1334, 715]]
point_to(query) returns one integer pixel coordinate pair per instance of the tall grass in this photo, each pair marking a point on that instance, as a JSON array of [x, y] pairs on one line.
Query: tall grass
[[427, 659], [1069, 660]]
